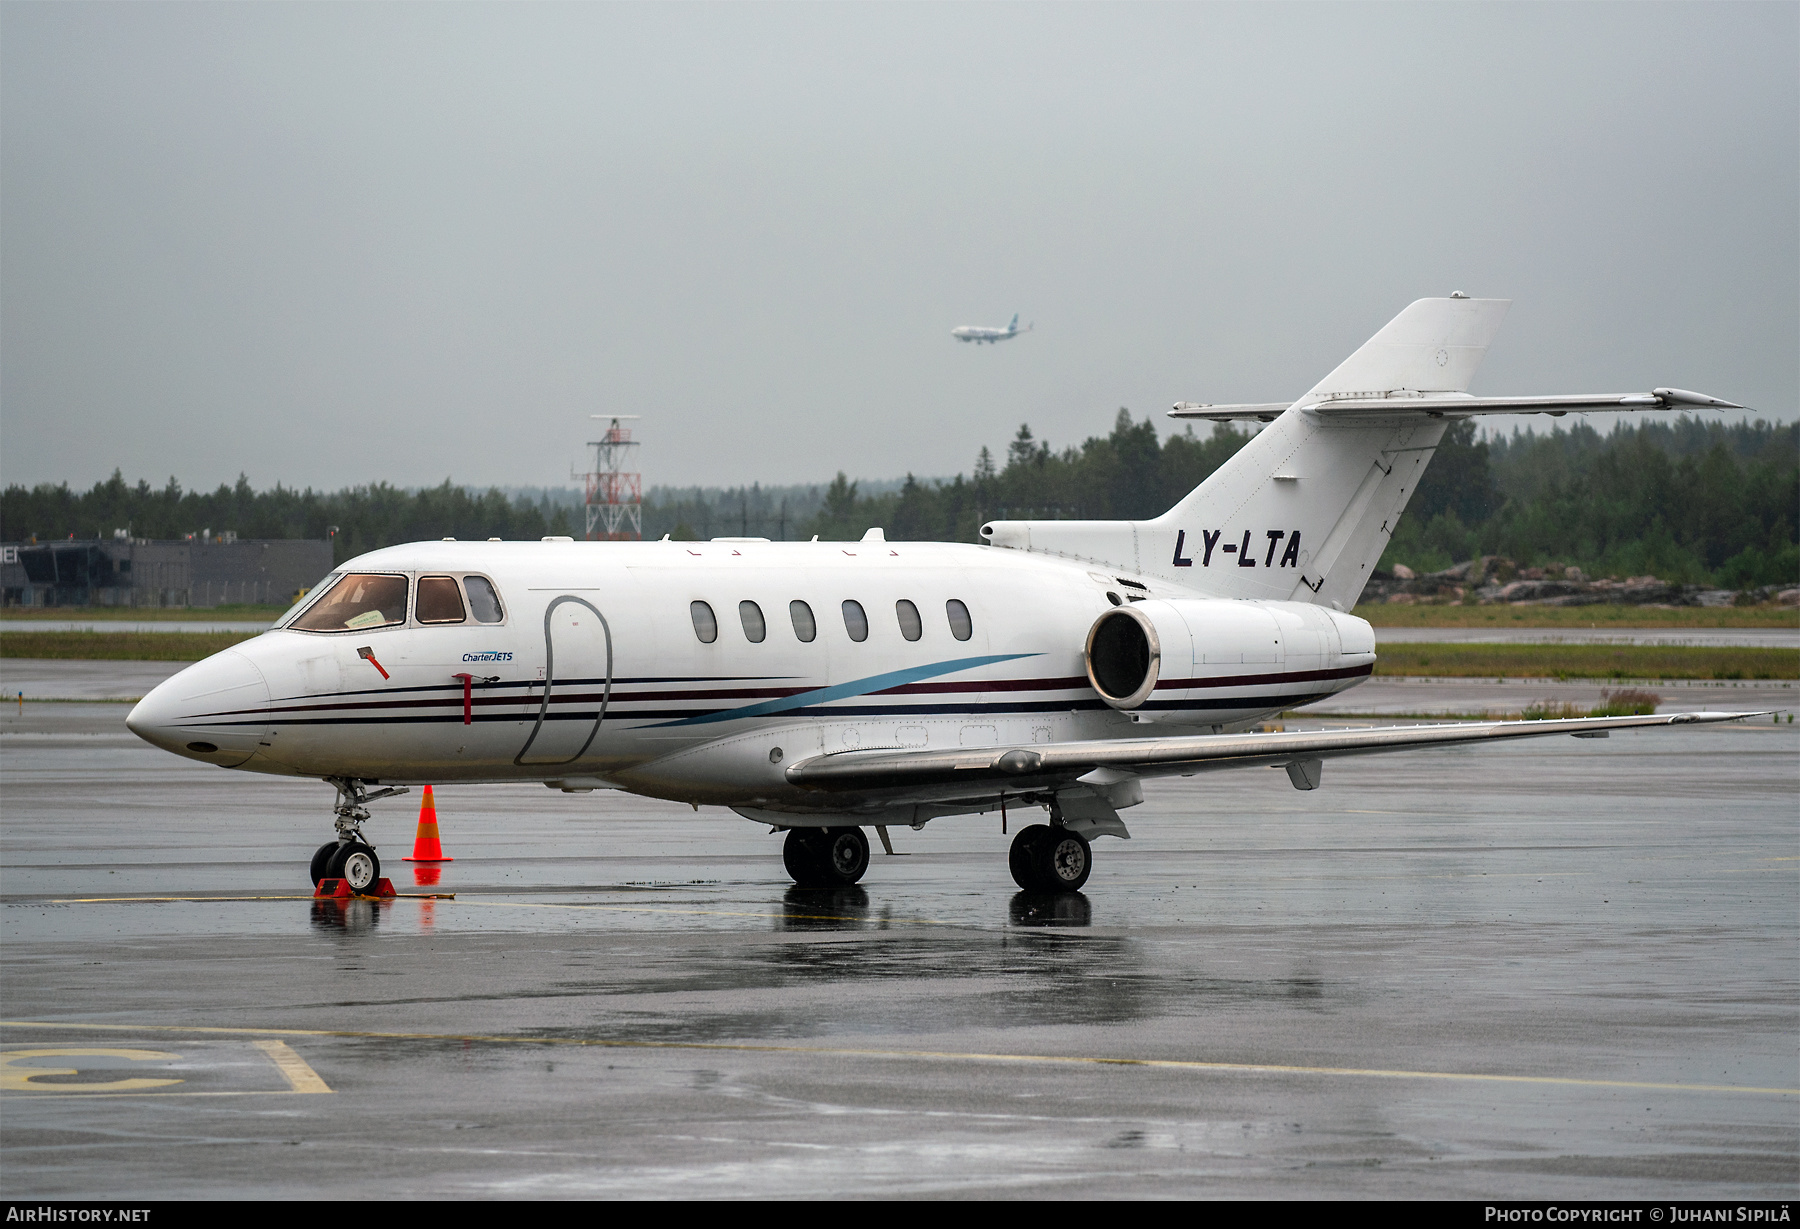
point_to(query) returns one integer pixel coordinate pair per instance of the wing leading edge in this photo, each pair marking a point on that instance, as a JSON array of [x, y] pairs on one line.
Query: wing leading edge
[[1043, 766]]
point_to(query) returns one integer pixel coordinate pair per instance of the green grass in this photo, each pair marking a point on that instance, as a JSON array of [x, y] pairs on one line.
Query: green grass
[[119, 646], [1623, 702], [1382, 615], [1586, 661], [143, 614]]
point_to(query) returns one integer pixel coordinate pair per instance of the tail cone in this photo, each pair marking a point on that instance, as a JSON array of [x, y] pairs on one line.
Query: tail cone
[[425, 845]]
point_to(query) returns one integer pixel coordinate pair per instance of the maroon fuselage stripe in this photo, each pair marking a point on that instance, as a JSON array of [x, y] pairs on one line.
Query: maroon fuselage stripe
[[453, 699]]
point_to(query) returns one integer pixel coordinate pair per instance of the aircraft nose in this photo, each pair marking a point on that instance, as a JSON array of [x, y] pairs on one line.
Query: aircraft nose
[[216, 711]]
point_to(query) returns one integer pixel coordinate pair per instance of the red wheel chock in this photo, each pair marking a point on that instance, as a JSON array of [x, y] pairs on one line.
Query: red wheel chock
[[339, 889]]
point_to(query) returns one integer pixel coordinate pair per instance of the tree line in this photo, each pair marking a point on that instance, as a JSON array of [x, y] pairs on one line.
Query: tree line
[[1686, 500]]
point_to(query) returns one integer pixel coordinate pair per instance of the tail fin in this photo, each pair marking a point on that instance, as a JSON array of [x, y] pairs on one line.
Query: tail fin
[[1014, 326], [1304, 510], [1434, 346]]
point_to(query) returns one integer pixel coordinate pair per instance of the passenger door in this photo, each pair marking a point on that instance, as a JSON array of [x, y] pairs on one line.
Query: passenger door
[[577, 684]]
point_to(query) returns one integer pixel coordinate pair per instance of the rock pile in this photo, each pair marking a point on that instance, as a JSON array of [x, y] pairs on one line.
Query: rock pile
[[1495, 579]]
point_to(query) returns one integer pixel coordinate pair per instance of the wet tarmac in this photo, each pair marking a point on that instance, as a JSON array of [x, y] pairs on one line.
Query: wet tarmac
[[38, 679], [1553, 969]]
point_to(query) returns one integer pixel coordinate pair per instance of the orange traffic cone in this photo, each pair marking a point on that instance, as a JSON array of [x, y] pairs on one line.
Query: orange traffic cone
[[425, 844]]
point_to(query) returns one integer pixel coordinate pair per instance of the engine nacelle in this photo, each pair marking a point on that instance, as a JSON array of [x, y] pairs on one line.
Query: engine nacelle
[[1180, 649], [1124, 656]]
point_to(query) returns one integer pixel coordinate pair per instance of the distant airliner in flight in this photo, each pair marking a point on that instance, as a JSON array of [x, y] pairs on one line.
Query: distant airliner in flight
[[978, 332]]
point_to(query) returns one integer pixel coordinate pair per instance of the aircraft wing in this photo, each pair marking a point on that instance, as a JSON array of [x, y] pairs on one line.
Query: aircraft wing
[[1047, 765]]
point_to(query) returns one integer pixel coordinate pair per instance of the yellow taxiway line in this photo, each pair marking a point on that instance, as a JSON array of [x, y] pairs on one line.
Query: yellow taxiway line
[[1170, 1064], [20, 1081]]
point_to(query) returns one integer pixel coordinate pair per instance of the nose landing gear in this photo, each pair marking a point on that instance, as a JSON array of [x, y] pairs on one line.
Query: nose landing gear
[[355, 863], [350, 857]]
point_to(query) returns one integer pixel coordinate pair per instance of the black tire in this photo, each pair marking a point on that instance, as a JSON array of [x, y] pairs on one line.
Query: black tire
[[356, 863], [321, 861], [799, 856], [1023, 861], [825, 857], [1065, 859]]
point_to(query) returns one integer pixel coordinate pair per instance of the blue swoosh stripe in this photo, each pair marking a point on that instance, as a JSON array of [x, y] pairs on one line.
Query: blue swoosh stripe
[[843, 691]]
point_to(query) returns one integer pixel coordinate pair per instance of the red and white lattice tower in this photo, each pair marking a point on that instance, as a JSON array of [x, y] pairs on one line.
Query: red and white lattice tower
[[615, 495]]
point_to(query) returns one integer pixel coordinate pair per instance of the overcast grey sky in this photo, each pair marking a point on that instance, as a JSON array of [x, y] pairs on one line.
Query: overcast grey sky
[[329, 244]]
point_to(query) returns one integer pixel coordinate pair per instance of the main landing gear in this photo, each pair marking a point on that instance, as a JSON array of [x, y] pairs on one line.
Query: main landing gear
[[826, 857], [1046, 859], [1050, 859], [350, 857]]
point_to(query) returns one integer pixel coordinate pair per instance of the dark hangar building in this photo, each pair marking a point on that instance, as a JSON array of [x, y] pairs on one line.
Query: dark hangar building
[[218, 570]]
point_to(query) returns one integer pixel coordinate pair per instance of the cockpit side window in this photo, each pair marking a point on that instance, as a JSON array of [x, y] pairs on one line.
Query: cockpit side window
[[439, 601], [357, 602], [484, 602]]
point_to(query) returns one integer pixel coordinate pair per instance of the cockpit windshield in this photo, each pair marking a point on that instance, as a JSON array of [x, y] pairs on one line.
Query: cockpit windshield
[[305, 599], [359, 601]]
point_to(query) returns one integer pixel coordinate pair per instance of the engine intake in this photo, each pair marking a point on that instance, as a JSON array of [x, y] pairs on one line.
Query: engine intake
[[1123, 656]]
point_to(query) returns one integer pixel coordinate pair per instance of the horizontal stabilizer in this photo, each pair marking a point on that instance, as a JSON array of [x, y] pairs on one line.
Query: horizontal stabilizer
[[1266, 412], [1463, 407], [1459, 406], [1044, 765]]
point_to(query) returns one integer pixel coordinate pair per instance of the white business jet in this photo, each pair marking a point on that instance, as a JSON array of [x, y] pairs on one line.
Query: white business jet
[[825, 687], [979, 333]]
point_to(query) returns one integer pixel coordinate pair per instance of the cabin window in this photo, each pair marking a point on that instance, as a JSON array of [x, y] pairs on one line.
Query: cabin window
[[750, 615], [805, 627], [961, 626], [706, 626], [856, 622], [439, 601], [484, 602], [908, 614], [359, 601]]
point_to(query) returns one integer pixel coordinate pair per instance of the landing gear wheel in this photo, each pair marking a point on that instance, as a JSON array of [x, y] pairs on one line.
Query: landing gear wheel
[[825, 857], [1050, 860], [1022, 859], [798, 856], [357, 864], [1067, 860], [321, 861]]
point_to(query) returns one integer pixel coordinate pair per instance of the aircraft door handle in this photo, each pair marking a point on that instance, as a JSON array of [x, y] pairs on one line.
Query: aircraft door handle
[[468, 682]]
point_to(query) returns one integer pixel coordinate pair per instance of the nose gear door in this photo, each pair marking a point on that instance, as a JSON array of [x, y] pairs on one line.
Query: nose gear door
[[578, 669]]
